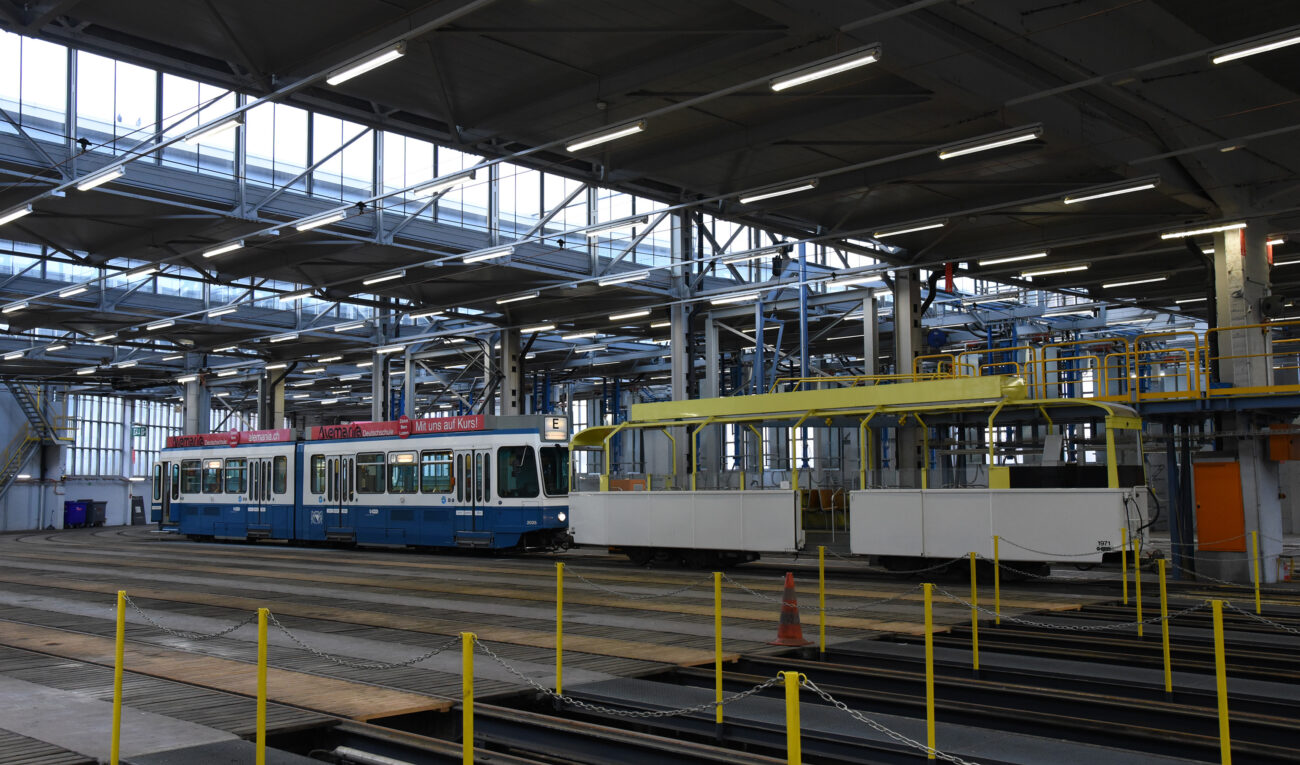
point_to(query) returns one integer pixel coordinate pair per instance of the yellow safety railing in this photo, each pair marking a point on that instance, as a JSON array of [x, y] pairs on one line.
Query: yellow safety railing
[[854, 381], [12, 457]]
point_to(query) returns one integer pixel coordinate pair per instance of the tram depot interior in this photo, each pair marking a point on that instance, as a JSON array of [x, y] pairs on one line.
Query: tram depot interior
[[725, 381]]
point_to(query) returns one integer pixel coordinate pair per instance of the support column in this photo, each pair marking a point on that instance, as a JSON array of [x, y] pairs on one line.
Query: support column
[[378, 387], [908, 336], [870, 335], [274, 404], [1241, 274], [680, 359], [197, 408], [508, 364]]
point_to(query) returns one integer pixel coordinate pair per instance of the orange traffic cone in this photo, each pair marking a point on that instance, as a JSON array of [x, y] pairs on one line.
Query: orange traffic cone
[[788, 631]]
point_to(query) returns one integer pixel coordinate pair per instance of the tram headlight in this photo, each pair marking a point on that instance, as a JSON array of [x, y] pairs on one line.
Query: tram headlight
[[561, 517]]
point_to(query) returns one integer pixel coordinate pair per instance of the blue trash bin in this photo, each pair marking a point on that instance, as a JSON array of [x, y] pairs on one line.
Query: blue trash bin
[[74, 514]]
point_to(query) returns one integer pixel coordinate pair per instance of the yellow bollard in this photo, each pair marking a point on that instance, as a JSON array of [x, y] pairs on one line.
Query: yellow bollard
[[974, 618], [559, 629], [1221, 682], [1254, 543], [821, 599], [120, 654], [1164, 631], [929, 668], [467, 697], [717, 643], [793, 744], [1137, 580], [1123, 563], [261, 686], [997, 583]]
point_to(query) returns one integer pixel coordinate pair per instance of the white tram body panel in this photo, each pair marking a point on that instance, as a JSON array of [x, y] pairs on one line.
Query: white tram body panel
[[749, 521]]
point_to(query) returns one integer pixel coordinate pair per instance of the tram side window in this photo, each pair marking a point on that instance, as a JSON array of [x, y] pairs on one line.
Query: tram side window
[[516, 472], [212, 476], [401, 473], [281, 481], [435, 472], [318, 474], [370, 473], [157, 482], [191, 477], [236, 476], [555, 470]]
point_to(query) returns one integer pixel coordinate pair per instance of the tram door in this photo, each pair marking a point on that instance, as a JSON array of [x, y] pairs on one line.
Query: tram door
[[166, 487], [340, 489], [259, 491], [473, 488]]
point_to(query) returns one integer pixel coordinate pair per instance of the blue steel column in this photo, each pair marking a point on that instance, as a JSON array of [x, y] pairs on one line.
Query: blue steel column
[[803, 312]]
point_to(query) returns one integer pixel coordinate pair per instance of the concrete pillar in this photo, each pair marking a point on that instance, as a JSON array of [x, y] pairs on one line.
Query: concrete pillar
[[508, 365], [680, 359], [273, 405], [870, 335], [908, 337], [197, 408], [378, 387]]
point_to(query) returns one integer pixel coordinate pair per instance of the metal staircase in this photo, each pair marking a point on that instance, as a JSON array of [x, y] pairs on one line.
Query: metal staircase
[[40, 429]]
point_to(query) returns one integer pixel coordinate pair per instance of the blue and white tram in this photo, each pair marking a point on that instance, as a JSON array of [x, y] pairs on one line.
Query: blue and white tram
[[473, 481]]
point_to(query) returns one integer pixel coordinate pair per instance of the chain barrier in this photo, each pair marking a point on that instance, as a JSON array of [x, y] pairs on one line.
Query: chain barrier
[[879, 728], [361, 664], [1054, 554], [1053, 577], [1261, 619], [1216, 580], [828, 609], [1072, 627], [610, 590], [183, 634], [639, 714]]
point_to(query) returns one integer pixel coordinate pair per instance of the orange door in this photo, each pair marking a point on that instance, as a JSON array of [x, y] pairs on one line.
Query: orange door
[[1220, 517]]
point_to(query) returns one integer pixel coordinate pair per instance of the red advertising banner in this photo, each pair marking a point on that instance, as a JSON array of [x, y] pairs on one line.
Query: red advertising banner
[[398, 428], [233, 438]]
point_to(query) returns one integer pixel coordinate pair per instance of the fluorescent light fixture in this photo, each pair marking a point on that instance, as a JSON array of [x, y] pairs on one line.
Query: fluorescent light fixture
[[173, 357], [827, 68], [746, 257], [350, 326], [23, 477], [277, 365], [141, 273], [995, 141], [225, 349], [1207, 230], [538, 328], [745, 298], [187, 379], [100, 178], [635, 276], [389, 349], [14, 355], [1275, 241], [910, 229], [104, 338], [74, 291], [223, 249], [87, 370], [312, 370], [157, 325], [1143, 320], [1152, 280], [366, 64], [222, 394], [997, 297], [284, 338], [589, 349], [1049, 271], [1111, 191], [348, 378], [517, 298], [328, 359], [125, 364], [778, 191], [328, 401], [301, 395], [1191, 300], [228, 372], [1013, 259], [301, 383], [605, 136], [630, 315], [289, 297], [15, 214], [223, 311], [661, 324], [384, 278], [56, 347], [1067, 312], [451, 181], [15, 307], [424, 314], [1264, 46], [364, 364], [615, 226], [579, 335], [217, 129], [872, 279], [1286, 263], [321, 220]]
